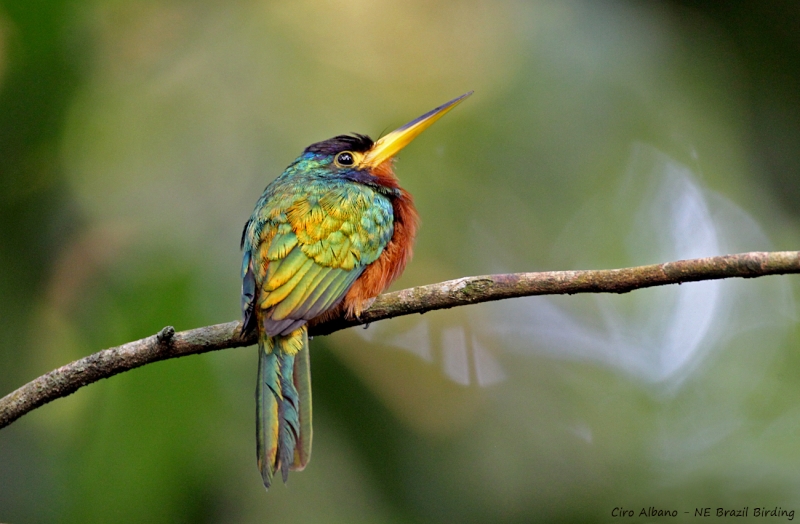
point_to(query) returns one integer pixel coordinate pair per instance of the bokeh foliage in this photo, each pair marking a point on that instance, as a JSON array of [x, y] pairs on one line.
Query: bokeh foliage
[[136, 135]]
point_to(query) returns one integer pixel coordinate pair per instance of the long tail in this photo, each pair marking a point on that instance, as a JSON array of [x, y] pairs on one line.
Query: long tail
[[283, 404]]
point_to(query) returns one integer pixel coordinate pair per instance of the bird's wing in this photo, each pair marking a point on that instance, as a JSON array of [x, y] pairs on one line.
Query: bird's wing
[[309, 251]]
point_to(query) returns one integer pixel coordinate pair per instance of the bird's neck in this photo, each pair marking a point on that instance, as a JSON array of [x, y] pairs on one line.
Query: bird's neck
[[381, 179], [384, 175]]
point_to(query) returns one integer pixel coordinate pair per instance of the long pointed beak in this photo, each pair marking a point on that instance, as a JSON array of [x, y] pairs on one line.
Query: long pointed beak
[[389, 145]]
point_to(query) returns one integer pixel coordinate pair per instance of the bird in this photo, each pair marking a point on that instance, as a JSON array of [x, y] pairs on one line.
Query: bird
[[326, 237]]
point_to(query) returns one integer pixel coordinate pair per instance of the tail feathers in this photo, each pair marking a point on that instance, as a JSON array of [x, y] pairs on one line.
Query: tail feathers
[[281, 422], [302, 382], [267, 392], [288, 415]]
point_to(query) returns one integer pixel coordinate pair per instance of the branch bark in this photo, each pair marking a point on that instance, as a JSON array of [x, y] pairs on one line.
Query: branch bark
[[463, 291]]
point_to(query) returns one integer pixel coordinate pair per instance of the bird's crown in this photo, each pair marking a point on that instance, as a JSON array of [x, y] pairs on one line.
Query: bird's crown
[[355, 142]]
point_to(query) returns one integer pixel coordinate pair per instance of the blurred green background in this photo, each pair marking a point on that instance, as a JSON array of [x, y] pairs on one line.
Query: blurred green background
[[136, 136]]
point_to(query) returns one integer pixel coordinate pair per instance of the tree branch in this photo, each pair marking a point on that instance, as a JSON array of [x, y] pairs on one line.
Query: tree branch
[[469, 290]]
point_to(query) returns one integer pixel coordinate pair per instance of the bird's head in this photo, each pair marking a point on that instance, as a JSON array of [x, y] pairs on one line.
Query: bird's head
[[359, 158]]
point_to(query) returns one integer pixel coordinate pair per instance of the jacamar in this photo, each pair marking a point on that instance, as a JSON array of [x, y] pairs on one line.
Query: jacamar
[[331, 233]]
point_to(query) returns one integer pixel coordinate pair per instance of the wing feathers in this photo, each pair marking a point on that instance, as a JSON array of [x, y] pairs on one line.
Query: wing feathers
[[277, 294], [298, 294], [281, 245], [280, 271]]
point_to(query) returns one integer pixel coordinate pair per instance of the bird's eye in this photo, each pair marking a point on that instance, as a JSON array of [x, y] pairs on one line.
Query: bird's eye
[[345, 158]]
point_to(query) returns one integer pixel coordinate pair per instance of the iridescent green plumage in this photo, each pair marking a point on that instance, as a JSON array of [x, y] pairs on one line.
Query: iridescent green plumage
[[333, 231], [312, 234]]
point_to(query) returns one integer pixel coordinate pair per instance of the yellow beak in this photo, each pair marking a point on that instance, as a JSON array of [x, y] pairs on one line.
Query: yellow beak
[[389, 145]]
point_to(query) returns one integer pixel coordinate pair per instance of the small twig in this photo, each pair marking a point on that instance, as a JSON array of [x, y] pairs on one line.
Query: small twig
[[469, 290]]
